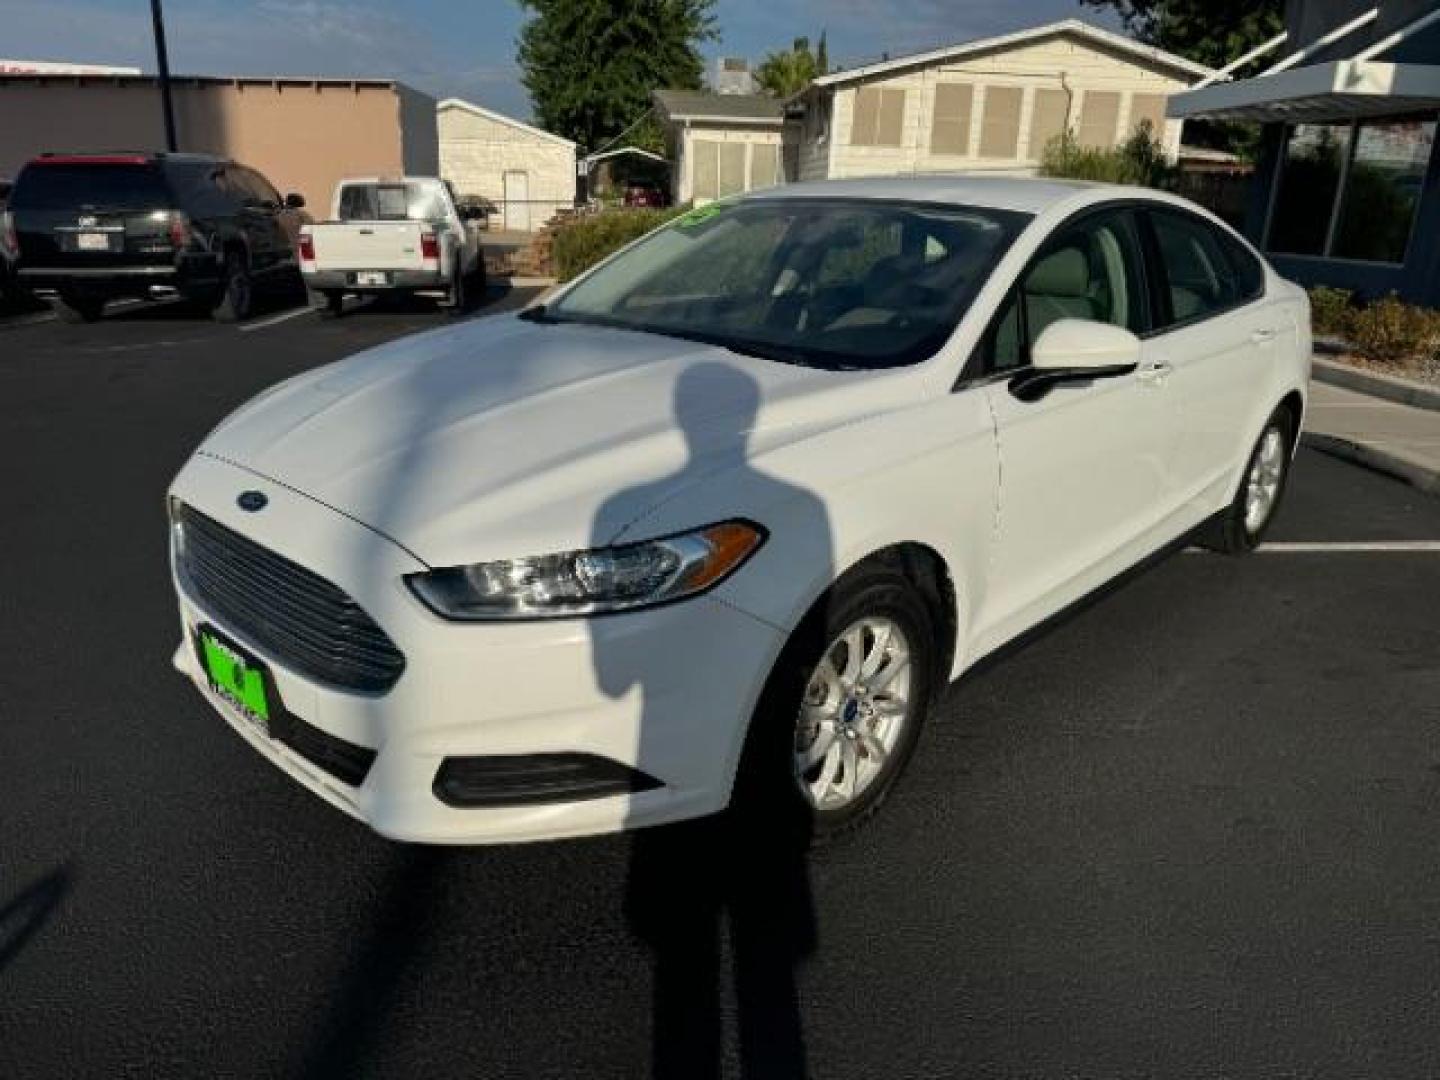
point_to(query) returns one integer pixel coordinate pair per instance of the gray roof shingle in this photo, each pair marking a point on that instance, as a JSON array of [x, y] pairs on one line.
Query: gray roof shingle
[[699, 105]]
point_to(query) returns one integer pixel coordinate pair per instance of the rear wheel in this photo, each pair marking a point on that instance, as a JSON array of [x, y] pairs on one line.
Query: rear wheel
[[458, 300], [841, 714], [1241, 527], [237, 291], [332, 304], [78, 308]]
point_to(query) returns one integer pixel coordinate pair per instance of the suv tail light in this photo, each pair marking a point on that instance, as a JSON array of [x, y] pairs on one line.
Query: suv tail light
[[9, 239], [307, 248], [179, 230], [430, 247]]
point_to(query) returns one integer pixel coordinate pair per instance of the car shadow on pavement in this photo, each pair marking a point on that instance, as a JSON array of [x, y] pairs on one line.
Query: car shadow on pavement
[[23, 916], [739, 878]]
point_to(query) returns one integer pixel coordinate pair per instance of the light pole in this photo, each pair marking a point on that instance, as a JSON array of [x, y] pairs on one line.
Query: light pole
[[162, 62]]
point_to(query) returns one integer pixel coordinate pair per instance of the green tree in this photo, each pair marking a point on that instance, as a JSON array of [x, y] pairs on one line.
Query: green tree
[[782, 74], [1212, 32], [591, 65]]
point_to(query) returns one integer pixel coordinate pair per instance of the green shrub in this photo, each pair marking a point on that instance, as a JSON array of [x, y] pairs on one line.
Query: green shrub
[[1331, 309], [1140, 159], [582, 242], [1394, 333]]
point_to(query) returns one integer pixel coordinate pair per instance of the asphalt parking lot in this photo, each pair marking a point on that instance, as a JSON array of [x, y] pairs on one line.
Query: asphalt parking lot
[[1191, 831]]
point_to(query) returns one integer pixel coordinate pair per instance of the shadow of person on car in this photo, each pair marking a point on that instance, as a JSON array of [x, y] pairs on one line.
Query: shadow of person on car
[[739, 877], [23, 916]]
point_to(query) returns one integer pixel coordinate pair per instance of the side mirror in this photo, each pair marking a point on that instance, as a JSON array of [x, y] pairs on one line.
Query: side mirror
[[294, 201], [1076, 352]]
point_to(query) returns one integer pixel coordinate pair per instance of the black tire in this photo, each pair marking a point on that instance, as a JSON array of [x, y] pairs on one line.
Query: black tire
[[77, 308], [457, 303], [767, 788], [237, 291], [332, 304], [1231, 533]]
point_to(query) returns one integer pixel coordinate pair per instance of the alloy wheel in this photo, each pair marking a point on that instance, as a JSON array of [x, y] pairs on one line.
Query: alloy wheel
[[854, 712], [1262, 486]]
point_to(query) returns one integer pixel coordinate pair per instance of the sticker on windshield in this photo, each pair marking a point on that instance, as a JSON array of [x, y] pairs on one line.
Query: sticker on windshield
[[699, 215]]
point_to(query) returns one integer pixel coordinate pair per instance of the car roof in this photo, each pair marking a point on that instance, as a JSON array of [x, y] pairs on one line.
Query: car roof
[[1027, 194]]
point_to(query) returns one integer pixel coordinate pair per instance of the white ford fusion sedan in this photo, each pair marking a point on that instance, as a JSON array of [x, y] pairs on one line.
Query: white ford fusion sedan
[[723, 516]]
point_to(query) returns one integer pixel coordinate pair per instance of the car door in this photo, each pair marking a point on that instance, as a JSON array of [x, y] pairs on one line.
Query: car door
[[1219, 337], [260, 210], [1084, 474]]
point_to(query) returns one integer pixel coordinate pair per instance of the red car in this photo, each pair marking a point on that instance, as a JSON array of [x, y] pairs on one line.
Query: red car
[[644, 194]]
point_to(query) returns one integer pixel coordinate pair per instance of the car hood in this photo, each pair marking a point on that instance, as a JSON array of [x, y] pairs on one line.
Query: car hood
[[504, 437]]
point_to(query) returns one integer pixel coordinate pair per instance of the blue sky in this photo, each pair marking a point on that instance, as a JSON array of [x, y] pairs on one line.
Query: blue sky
[[463, 48]]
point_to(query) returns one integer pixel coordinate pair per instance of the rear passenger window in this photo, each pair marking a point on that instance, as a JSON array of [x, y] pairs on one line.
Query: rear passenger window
[[1201, 274]]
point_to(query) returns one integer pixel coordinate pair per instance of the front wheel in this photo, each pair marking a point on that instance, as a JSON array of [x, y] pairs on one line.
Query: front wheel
[[1244, 522], [842, 712]]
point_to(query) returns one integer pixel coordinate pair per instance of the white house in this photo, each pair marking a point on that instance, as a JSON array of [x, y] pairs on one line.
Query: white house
[[721, 144], [528, 173]]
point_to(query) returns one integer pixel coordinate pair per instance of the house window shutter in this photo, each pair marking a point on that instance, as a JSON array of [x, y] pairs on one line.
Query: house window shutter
[[950, 128], [867, 114], [706, 169], [1000, 122], [1148, 107], [890, 124], [1098, 117], [732, 168], [1047, 120], [764, 165]]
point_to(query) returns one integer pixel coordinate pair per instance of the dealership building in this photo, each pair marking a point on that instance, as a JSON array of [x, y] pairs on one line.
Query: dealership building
[[303, 134]]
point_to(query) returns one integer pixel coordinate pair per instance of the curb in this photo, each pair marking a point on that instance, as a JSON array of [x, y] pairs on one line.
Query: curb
[[1394, 463], [1390, 387]]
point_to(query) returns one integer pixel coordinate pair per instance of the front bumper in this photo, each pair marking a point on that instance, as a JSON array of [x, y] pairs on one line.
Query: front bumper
[[667, 692]]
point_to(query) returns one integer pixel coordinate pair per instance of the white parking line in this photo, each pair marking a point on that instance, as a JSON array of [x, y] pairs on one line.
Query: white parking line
[[284, 316]]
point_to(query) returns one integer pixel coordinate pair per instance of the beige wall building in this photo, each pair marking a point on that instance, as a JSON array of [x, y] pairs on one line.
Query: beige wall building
[[721, 144], [992, 104], [528, 173], [303, 134]]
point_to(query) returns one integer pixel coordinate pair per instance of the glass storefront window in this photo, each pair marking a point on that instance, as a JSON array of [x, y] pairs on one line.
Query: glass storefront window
[[1382, 191], [1387, 162], [1309, 179]]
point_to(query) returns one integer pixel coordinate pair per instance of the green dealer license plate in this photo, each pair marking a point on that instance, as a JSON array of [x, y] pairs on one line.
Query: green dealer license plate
[[235, 676]]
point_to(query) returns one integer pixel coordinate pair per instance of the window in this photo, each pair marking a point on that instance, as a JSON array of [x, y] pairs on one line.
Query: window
[[854, 283], [1149, 107], [1048, 118], [706, 169], [262, 187], [1090, 270], [879, 115], [1099, 116], [1351, 191], [764, 165], [1200, 276], [1309, 179], [392, 202], [950, 127], [1000, 122], [1382, 190]]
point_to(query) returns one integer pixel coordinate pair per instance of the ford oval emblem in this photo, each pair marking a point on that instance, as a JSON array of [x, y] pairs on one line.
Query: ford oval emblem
[[252, 500]]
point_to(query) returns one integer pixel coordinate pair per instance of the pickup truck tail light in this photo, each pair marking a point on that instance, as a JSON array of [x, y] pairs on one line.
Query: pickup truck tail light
[[179, 230], [430, 247], [307, 248]]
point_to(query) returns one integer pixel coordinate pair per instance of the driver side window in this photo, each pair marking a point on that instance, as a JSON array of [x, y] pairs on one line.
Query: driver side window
[[1089, 270]]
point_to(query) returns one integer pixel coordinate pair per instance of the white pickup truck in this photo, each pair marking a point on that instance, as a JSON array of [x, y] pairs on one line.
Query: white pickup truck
[[400, 234]]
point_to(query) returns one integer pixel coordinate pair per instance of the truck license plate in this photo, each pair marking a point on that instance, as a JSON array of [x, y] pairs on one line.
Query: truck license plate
[[372, 277], [92, 241]]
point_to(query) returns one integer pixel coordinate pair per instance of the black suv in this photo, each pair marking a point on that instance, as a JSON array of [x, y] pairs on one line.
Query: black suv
[[87, 228]]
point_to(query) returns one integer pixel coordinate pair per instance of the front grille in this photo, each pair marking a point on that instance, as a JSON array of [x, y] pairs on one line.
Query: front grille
[[298, 617]]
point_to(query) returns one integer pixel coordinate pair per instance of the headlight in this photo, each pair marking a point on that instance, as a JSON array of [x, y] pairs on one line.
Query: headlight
[[590, 582]]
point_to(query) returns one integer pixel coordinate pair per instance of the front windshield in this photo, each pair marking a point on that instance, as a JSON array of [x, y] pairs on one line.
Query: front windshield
[[847, 283]]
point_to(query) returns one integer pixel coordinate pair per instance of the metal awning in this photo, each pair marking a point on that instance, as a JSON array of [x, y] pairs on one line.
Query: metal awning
[[1342, 90]]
